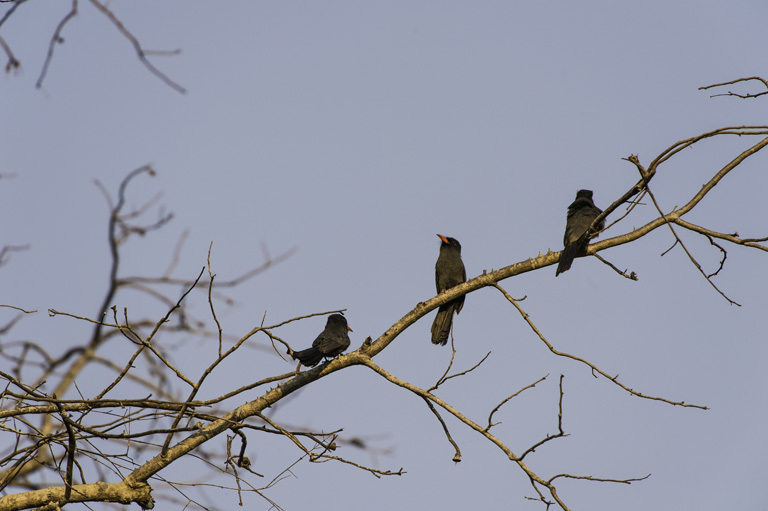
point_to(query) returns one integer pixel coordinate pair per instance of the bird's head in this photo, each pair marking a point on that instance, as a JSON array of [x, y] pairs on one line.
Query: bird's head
[[449, 242], [338, 320]]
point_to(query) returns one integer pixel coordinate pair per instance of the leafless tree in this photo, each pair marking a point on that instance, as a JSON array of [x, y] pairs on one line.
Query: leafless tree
[[142, 53], [64, 441]]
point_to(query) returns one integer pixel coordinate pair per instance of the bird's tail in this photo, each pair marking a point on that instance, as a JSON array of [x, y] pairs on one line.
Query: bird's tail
[[570, 252], [441, 327], [309, 357]]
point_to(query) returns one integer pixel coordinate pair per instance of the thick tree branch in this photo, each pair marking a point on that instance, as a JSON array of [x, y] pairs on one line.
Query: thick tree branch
[[124, 492]]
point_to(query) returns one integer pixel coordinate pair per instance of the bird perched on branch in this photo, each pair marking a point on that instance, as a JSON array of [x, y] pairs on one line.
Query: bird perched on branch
[[331, 342], [449, 272], [581, 213]]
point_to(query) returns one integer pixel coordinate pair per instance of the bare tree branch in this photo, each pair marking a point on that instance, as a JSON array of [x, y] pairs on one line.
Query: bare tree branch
[[55, 39], [739, 80], [507, 399], [594, 368], [140, 52]]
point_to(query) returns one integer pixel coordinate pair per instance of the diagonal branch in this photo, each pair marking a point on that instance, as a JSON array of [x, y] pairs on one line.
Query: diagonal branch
[[685, 249], [140, 52], [592, 366], [505, 400], [457, 453], [491, 278], [444, 378]]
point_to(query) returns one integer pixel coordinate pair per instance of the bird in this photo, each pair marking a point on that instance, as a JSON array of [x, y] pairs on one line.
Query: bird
[[581, 213], [331, 342], [449, 272]]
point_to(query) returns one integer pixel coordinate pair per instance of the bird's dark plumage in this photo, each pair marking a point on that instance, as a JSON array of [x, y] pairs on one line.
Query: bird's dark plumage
[[331, 342], [449, 272], [581, 213]]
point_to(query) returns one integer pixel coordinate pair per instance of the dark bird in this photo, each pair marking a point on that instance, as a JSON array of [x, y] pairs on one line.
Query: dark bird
[[581, 213], [331, 342], [449, 272]]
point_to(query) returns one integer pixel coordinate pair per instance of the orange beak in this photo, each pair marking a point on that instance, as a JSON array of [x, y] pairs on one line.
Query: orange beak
[[349, 329], [445, 240]]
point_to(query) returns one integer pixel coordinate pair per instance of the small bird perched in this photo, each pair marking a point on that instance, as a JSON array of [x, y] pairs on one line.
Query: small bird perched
[[331, 342], [449, 272], [581, 213]]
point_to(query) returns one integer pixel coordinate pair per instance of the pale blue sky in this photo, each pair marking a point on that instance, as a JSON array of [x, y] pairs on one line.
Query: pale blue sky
[[355, 131]]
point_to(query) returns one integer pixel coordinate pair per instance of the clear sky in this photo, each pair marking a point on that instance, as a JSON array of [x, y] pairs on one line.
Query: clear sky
[[355, 131]]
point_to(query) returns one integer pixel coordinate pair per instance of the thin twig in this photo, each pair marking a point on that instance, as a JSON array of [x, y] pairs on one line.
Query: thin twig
[[457, 453], [445, 378], [211, 276], [592, 366], [55, 39], [140, 52], [687, 252], [742, 96], [560, 431], [505, 400], [630, 276]]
